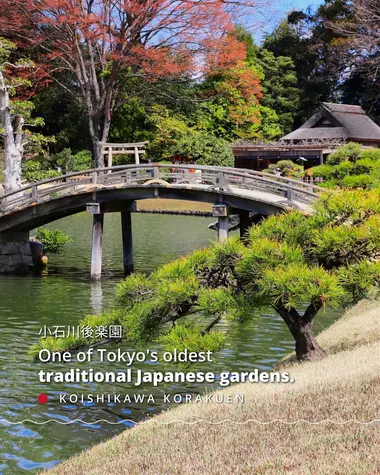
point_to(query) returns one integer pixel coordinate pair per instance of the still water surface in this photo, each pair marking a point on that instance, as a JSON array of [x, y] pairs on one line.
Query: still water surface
[[62, 296]]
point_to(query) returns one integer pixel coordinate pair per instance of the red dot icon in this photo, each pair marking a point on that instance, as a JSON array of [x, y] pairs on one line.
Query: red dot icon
[[43, 398]]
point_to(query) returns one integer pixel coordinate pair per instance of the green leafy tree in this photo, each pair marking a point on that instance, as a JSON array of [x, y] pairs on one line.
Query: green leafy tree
[[68, 162], [278, 82], [279, 86], [231, 103], [167, 129], [204, 149], [306, 39], [174, 137]]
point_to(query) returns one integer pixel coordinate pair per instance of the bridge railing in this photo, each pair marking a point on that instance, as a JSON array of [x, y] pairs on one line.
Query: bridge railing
[[222, 179]]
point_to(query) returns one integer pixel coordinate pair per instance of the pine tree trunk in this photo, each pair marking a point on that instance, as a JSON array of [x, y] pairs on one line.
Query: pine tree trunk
[[307, 347], [301, 327]]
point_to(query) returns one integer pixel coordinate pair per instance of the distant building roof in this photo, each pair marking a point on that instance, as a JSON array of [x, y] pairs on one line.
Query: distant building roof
[[337, 121]]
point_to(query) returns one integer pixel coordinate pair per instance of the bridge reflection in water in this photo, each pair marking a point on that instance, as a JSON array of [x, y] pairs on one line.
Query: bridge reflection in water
[[116, 189]]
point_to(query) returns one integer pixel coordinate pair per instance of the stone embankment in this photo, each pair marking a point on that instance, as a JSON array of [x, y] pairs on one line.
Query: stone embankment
[[15, 257]]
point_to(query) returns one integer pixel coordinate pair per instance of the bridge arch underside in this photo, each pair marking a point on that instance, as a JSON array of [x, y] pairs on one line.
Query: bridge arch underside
[[114, 200]]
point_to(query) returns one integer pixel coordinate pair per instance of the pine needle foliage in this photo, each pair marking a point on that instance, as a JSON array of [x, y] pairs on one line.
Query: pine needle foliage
[[189, 336], [291, 286], [136, 288], [266, 254], [292, 227], [361, 280], [292, 263]]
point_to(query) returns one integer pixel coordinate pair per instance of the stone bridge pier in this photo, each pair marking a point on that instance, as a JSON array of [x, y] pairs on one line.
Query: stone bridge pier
[[15, 252]]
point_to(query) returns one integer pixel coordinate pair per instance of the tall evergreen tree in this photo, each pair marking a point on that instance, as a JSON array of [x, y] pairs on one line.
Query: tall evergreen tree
[[278, 80]]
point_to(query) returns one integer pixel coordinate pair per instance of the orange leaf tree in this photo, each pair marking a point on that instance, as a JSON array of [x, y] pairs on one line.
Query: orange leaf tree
[[99, 44]]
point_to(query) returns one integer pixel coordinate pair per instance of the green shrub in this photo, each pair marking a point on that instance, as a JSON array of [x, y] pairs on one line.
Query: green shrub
[[351, 166], [286, 168], [344, 168], [358, 181], [53, 240], [327, 172], [44, 167], [82, 161], [348, 152], [366, 165], [371, 154], [37, 170], [34, 177]]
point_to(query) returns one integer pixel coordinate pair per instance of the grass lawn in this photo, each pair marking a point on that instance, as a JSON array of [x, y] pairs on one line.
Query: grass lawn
[[325, 416]]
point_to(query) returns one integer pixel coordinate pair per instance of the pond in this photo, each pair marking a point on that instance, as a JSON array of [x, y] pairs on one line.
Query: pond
[[64, 294]]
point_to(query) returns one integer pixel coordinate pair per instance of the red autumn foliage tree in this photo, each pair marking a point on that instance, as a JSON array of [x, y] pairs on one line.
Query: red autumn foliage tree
[[99, 44], [244, 106], [233, 93]]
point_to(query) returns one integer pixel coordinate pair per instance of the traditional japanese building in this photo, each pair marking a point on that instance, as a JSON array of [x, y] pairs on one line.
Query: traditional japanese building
[[331, 126], [337, 122]]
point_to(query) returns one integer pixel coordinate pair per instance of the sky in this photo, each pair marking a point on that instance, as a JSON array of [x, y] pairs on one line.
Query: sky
[[278, 11], [300, 4]]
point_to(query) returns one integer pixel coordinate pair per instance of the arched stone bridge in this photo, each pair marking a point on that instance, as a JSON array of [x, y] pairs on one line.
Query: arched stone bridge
[[117, 188]]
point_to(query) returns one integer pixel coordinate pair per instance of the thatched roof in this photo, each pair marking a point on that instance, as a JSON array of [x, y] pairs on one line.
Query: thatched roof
[[337, 121]]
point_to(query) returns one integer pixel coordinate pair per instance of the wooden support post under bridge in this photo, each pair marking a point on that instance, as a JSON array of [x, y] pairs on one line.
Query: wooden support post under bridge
[[97, 246], [97, 240], [221, 211], [244, 222], [126, 229]]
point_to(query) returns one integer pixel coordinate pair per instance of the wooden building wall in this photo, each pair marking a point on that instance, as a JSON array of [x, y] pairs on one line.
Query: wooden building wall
[[261, 159]]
